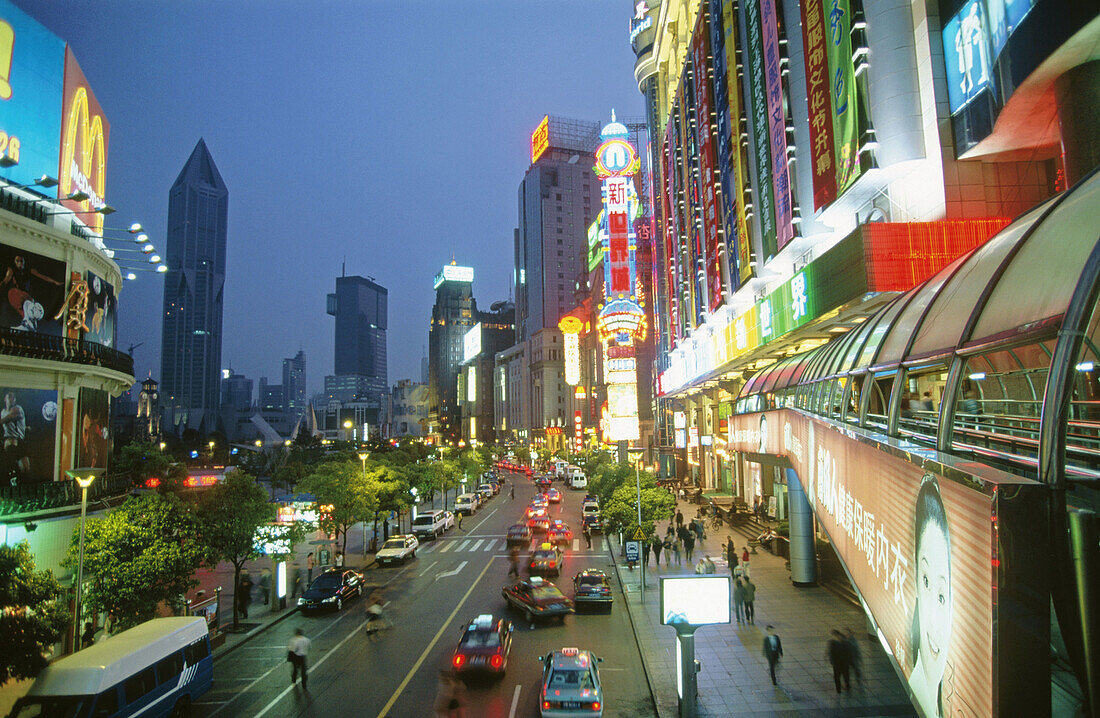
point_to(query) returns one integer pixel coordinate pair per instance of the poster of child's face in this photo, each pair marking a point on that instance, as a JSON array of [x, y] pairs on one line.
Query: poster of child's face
[[93, 429], [100, 315], [28, 430], [32, 290]]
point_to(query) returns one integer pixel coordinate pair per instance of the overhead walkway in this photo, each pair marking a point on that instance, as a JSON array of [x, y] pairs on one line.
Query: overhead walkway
[[950, 448]]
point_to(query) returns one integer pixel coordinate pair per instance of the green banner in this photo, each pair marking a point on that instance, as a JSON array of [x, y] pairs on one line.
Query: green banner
[[761, 151], [838, 47]]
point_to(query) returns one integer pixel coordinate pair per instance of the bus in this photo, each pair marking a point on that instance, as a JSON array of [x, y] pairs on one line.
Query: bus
[[156, 669]]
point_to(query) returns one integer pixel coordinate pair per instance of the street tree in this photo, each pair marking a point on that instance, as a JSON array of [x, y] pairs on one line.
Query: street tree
[[139, 556], [343, 496], [619, 512], [392, 492], [229, 514], [33, 613], [144, 460]]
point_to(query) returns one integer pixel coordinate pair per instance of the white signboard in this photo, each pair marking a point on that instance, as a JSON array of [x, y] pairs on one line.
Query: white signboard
[[695, 600], [471, 343]]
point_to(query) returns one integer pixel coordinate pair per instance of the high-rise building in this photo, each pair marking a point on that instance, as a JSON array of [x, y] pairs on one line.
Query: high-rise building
[[236, 391], [271, 396], [494, 332], [191, 343], [294, 383], [360, 307], [452, 317]]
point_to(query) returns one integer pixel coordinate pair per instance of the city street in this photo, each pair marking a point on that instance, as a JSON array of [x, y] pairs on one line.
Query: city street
[[396, 672]]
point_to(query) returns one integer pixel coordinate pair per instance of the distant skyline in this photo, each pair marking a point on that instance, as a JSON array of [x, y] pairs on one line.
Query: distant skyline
[[390, 136]]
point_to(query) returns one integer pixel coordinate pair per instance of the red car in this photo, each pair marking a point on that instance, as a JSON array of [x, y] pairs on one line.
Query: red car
[[553, 496], [539, 523]]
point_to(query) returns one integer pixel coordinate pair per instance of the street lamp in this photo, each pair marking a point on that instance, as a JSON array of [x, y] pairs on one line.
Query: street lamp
[[363, 456], [347, 429], [84, 478]]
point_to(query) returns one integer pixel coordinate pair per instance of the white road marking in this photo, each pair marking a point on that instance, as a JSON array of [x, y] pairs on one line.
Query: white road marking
[[428, 567], [473, 547], [483, 520], [447, 547], [453, 572], [515, 702], [576, 544], [462, 546]]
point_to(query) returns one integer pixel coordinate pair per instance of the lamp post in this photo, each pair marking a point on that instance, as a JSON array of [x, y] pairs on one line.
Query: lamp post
[[638, 486], [363, 456], [347, 429], [84, 479]]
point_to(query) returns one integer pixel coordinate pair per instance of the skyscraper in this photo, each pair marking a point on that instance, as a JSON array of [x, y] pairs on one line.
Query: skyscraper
[[294, 383], [360, 307], [191, 344], [452, 316]]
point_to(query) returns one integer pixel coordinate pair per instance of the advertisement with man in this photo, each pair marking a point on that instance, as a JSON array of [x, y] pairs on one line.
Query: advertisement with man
[[100, 314], [32, 290], [920, 548], [93, 429], [28, 427]]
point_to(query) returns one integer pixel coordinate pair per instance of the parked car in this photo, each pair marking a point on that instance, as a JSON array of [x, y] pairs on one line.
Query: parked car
[[519, 535], [397, 549], [484, 646], [486, 491], [331, 589], [591, 587], [553, 496], [570, 684], [537, 598], [546, 559], [466, 504], [431, 523]]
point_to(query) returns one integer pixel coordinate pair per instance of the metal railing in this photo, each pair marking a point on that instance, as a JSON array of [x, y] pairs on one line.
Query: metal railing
[[45, 496], [75, 351]]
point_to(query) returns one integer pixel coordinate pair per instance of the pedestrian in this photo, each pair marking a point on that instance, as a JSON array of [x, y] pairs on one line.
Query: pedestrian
[[739, 600], [109, 624], [339, 559], [676, 548], [645, 553], [711, 569], [450, 698], [773, 651], [750, 600], [310, 563], [265, 585], [838, 654], [375, 621], [745, 562], [296, 583], [512, 491], [679, 518], [244, 594], [657, 545], [689, 545], [88, 637], [296, 652], [731, 556], [587, 533], [854, 656], [513, 560], [460, 515]]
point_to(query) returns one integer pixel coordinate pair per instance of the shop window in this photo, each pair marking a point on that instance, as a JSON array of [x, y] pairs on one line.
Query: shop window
[[918, 419], [879, 405]]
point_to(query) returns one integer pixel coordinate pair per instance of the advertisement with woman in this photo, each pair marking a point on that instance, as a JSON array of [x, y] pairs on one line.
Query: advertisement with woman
[[100, 315], [32, 289], [28, 427], [93, 426]]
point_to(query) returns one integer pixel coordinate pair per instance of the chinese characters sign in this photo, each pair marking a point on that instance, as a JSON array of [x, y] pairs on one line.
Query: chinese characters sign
[[761, 153], [777, 124], [820, 105], [540, 139], [838, 45]]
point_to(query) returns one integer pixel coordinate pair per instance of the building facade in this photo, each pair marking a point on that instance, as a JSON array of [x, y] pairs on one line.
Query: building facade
[[361, 308], [453, 315], [494, 331], [191, 341], [406, 410], [294, 383]]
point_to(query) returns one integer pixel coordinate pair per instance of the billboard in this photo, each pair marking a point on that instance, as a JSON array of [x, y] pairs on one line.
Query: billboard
[[454, 273], [28, 427], [695, 600], [731, 163], [32, 291], [757, 87], [99, 317], [84, 135], [838, 50], [622, 409], [777, 124], [820, 104], [713, 249], [93, 427], [32, 66], [967, 54], [471, 343], [540, 139]]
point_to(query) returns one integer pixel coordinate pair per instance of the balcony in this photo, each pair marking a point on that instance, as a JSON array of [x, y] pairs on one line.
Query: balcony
[[74, 351], [57, 496]]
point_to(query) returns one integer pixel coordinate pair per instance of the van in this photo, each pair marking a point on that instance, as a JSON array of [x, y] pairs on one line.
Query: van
[[577, 479], [466, 504], [158, 668], [429, 523]]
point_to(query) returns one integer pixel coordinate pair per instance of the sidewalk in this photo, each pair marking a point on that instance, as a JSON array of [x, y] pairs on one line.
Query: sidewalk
[[733, 678]]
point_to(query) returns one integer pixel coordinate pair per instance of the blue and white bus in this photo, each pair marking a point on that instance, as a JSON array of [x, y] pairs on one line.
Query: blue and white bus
[[156, 669]]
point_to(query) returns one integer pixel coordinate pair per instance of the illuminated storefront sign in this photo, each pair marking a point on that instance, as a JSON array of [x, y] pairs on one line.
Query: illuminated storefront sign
[[454, 273], [738, 243], [540, 139], [32, 66], [471, 383], [777, 125], [471, 343], [84, 137], [714, 251], [571, 327], [622, 408], [758, 116], [578, 431]]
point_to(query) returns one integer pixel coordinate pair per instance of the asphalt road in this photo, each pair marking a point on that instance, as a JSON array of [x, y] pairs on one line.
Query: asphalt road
[[396, 671]]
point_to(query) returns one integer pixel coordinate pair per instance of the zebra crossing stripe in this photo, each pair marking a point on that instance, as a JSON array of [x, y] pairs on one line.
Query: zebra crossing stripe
[[476, 544], [576, 544], [447, 547], [462, 546]]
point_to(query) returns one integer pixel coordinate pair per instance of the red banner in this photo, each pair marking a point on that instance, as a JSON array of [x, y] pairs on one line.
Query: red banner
[[708, 162], [821, 108]]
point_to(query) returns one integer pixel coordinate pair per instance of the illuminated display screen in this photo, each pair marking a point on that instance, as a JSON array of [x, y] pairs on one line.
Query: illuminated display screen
[[695, 600], [967, 54], [540, 139], [572, 358], [471, 384], [471, 343], [84, 137], [454, 273]]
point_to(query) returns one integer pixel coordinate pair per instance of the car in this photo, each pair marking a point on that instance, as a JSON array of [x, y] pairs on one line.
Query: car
[[559, 532], [546, 559], [540, 500], [534, 511], [537, 598], [553, 496], [484, 646], [539, 523], [570, 684], [486, 491], [431, 523], [466, 504], [591, 587], [493, 484], [448, 520], [592, 521], [397, 549], [519, 535], [331, 589], [591, 499], [543, 482]]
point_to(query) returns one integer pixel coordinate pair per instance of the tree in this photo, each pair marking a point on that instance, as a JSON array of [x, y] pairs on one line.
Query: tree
[[229, 514], [620, 511], [144, 460], [343, 496], [142, 554], [33, 613]]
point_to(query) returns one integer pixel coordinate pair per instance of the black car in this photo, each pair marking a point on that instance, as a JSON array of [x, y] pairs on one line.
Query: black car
[[591, 587], [486, 641], [537, 598], [331, 589]]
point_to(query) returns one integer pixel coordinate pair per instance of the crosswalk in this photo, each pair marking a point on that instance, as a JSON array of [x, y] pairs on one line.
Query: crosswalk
[[490, 545]]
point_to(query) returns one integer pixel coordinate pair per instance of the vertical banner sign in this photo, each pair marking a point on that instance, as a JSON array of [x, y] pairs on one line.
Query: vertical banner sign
[[757, 87], [821, 107], [843, 83], [708, 161], [671, 252], [84, 135], [617, 262], [777, 124], [733, 84]]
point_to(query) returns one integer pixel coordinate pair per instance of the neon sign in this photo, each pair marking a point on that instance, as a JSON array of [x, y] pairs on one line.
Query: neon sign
[[84, 136], [570, 328], [540, 139], [454, 273]]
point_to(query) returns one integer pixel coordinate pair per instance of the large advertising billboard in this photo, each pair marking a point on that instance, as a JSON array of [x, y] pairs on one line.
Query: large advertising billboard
[[777, 125], [820, 104], [923, 550], [93, 428], [714, 249], [728, 97], [32, 65], [28, 428], [84, 136], [845, 100], [32, 291], [99, 317], [756, 85], [967, 55]]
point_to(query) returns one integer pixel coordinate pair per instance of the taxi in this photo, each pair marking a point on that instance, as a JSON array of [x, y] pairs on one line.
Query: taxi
[[553, 496], [519, 535], [539, 523], [559, 532], [537, 598], [484, 646], [570, 684], [546, 559]]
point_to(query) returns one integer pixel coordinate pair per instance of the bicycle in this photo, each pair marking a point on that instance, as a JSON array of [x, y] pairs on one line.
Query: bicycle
[[715, 522]]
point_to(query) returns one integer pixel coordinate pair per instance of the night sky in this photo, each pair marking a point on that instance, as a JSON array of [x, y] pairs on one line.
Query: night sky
[[392, 135]]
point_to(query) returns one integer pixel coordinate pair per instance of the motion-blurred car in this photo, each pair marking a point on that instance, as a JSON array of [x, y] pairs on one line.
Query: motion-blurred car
[[553, 496], [537, 598], [397, 549], [543, 482], [559, 532], [540, 501], [539, 523], [534, 511], [484, 646], [330, 590], [570, 684], [591, 587], [546, 559], [519, 535]]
